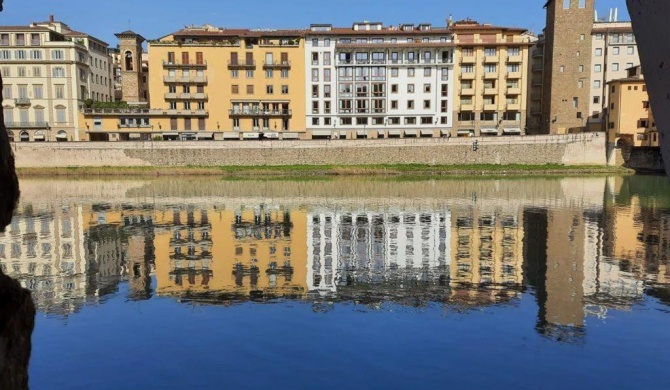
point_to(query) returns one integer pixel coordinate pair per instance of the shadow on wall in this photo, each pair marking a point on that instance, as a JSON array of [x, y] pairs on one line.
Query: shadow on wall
[[17, 310]]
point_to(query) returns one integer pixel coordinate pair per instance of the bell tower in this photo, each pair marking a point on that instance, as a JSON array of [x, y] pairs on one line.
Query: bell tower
[[130, 60]]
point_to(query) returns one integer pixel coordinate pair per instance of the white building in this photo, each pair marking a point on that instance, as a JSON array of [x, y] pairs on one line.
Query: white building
[[372, 81], [49, 71]]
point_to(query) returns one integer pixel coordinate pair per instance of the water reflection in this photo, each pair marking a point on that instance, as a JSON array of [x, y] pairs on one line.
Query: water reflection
[[581, 246]]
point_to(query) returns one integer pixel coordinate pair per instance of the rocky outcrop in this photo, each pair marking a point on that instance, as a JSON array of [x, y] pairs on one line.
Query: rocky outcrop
[[651, 27]]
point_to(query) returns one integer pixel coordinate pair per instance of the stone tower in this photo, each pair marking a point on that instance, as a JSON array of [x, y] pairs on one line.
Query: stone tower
[[130, 52], [567, 64]]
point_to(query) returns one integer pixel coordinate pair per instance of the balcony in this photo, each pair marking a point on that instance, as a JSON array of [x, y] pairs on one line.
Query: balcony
[[185, 80], [491, 59], [513, 75], [199, 96], [513, 106], [535, 96], [22, 101], [537, 68], [467, 91], [513, 91], [449, 60], [514, 59], [490, 107], [538, 53], [468, 60], [187, 113], [27, 125], [258, 112], [467, 76], [491, 75], [117, 111], [179, 64], [490, 91], [467, 107], [277, 65], [242, 65]]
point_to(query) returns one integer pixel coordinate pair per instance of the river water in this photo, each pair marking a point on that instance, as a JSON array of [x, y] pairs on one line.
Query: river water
[[540, 283]]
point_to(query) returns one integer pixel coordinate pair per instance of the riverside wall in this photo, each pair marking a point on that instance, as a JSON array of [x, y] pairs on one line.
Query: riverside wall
[[570, 149]]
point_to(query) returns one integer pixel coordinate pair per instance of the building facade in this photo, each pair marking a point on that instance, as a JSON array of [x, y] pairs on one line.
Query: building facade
[[376, 81], [49, 71], [491, 80], [567, 63], [629, 119]]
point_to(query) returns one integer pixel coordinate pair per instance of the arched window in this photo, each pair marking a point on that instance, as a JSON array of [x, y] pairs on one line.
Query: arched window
[[25, 137], [61, 136], [129, 60]]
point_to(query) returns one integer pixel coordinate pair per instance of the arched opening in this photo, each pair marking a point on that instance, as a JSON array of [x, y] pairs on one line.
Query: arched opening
[[129, 60], [25, 137], [10, 135], [39, 136], [61, 136]]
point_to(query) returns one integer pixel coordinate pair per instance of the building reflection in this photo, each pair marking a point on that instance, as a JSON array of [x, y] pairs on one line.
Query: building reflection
[[576, 261]]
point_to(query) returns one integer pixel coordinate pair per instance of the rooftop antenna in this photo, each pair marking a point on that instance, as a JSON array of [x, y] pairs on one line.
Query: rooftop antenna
[[616, 14]]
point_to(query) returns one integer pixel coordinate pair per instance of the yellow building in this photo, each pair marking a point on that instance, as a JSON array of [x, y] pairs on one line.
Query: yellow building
[[491, 79], [630, 121]]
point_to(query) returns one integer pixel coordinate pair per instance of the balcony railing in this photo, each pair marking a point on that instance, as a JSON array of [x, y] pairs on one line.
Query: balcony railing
[[115, 111], [242, 65], [179, 64], [187, 112], [185, 80], [277, 65], [259, 112], [27, 125], [535, 96], [537, 67], [22, 101]]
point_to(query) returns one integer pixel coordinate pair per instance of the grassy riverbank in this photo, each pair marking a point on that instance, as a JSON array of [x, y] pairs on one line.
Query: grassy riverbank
[[327, 170]]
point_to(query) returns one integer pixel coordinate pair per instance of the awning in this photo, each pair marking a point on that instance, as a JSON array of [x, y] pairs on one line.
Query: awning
[[445, 132], [467, 131], [290, 136], [205, 135], [361, 132], [489, 130], [321, 133], [134, 135], [39, 135], [61, 136], [380, 133], [512, 130], [271, 135], [343, 134], [410, 133], [250, 135], [394, 132], [426, 132], [171, 134], [231, 135]]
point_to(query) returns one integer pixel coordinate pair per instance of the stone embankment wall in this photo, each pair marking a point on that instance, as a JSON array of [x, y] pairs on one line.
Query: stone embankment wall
[[572, 149]]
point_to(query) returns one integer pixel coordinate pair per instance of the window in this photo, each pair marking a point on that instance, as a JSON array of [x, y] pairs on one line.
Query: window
[[615, 66], [410, 88], [60, 115], [490, 68], [250, 89], [58, 72], [326, 91], [596, 100], [7, 91], [235, 89], [315, 42], [201, 123], [187, 123], [427, 72], [20, 54], [513, 51], [566, 4], [315, 107], [250, 73], [6, 72], [60, 91], [326, 42], [615, 51], [269, 73], [575, 102], [444, 106], [410, 120], [579, 53], [410, 72], [57, 54], [315, 58], [561, 68], [426, 88], [326, 57], [629, 65], [630, 50], [394, 72], [581, 68], [445, 90], [315, 75], [269, 90], [490, 51], [582, 3], [315, 121], [613, 89], [645, 104], [410, 104], [468, 69], [426, 104], [37, 91], [599, 52], [580, 84], [284, 89], [187, 105], [394, 104], [35, 54], [598, 68], [582, 37], [234, 74], [513, 68], [21, 71], [284, 73], [315, 91]]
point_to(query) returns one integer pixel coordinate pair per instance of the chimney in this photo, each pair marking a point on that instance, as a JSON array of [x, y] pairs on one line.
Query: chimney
[[616, 14], [611, 15], [51, 18]]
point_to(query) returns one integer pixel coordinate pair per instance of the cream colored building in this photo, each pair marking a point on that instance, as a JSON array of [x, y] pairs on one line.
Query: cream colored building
[[49, 70], [491, 81]]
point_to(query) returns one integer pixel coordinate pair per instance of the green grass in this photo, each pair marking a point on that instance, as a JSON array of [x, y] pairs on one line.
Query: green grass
[[397, 170]]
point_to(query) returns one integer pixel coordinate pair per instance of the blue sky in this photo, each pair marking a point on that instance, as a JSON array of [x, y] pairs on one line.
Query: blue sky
[[155, 18]]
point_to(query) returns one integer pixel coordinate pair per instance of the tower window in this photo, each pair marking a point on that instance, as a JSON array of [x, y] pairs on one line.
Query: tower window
[[129, 61], [566, 4], [582, 3]]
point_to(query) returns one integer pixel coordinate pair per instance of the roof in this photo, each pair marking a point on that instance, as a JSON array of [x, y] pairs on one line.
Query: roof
[[130, 33], [23, 28], [474, 26], [235, 32]]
